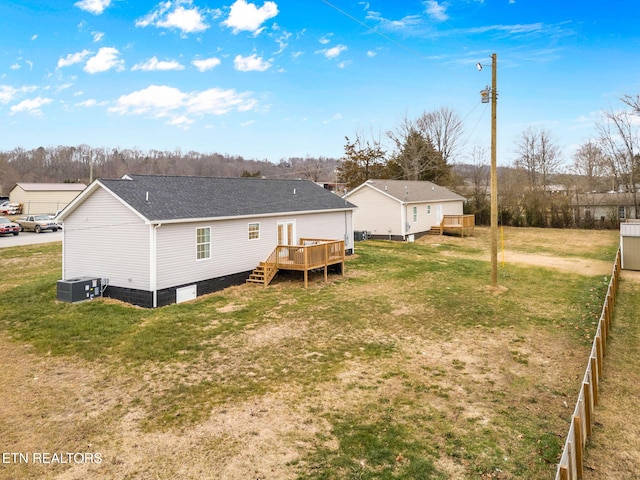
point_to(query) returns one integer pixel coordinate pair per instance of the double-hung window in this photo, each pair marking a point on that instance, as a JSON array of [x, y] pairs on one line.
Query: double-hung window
[[254, 231], [203, 243], [415, 214]]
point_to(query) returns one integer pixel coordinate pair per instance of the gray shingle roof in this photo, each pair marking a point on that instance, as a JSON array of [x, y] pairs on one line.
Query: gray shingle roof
[[414, 191], [182, 197]]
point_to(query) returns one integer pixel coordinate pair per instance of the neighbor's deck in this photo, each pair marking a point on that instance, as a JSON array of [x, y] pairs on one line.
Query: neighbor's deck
[[463, 224]]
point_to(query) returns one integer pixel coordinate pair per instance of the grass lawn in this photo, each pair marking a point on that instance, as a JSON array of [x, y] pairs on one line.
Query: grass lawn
[[408, 367]]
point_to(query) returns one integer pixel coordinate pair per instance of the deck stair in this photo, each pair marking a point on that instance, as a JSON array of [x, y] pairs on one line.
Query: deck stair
[[263, 274]]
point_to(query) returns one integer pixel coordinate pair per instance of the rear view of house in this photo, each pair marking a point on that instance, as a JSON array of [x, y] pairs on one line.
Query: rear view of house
[[156, 240], [402, 209]]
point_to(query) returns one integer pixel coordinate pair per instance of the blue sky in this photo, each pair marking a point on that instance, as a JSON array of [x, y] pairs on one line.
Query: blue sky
[[292, 78]]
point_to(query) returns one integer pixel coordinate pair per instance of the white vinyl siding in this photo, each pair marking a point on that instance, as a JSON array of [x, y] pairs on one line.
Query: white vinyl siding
[[231, 250], [376, 213], [103, 238]]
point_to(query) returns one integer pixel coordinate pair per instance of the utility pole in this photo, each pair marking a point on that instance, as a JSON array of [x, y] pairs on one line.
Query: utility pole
[[493, 91], [494, 174]]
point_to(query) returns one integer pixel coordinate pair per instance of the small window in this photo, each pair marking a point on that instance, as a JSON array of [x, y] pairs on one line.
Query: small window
[[621, 212], [203, 243], [428, 209], [415, 214], [254, 231]]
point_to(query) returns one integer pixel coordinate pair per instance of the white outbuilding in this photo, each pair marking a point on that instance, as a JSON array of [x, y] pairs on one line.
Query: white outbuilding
[[630, 244]]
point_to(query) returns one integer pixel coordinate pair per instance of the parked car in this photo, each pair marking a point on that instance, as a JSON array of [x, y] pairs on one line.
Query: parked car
[[53, 217], [7, 226], [8, 208], [37, 223]]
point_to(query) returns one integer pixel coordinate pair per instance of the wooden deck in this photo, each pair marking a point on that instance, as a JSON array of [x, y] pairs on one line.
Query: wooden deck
[[311, 254], [462, 224]]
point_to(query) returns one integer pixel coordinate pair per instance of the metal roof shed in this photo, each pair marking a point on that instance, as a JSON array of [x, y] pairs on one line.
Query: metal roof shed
[[630, 245]]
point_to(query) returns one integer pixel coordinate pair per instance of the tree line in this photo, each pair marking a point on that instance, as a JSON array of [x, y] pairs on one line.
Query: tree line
[[540, 186], [80, 164]]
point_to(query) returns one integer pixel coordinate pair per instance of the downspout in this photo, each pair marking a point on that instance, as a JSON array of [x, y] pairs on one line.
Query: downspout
[[153, 267], [403, 219]]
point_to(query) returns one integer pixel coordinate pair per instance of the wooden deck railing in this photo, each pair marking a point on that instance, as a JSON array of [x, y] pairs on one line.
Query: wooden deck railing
[[465, 224], [312, 253]]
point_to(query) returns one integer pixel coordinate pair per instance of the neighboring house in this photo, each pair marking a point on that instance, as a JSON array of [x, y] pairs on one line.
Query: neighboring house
[[402, 209], [603, 207], [38, 198], [155, 237]]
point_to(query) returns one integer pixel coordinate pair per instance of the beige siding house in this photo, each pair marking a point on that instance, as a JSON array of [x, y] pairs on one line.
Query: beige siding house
[[39, 198], [155, 237], [401, 209]]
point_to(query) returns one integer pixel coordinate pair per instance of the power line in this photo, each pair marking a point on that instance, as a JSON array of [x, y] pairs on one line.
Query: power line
[[374, 30]]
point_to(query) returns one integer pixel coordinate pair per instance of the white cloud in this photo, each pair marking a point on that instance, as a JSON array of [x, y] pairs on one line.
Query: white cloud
[[336, 117], [181, 121], [333, 52], [93, 6], [73, 58], [371, 54], [31, 106], [153, 64], [250, 63], [105, 59], [436, 11], [8, 93], [97, 36], [247, 17], [180, 107], [325, 40], [91, 103], [206, 64], [218, 102], [174, 15]]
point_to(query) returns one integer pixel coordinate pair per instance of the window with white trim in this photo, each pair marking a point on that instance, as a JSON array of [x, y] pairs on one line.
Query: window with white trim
[[415, 214], [254, 231], [428, 209], [203, 243]]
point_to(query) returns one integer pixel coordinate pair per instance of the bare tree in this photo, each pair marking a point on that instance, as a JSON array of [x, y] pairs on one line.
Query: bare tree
[[590, 163], [538, 156], [444, 129], [620, 139], [478, 174]]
